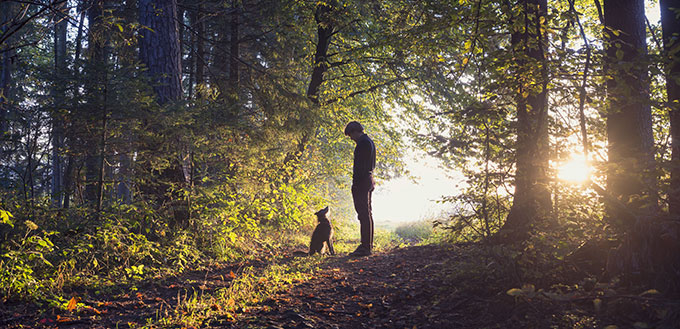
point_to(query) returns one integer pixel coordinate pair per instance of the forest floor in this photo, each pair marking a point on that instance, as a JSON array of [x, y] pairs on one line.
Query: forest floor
[[431, 286]]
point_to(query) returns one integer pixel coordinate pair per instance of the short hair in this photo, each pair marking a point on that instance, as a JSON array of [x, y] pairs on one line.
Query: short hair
[[352, 127]]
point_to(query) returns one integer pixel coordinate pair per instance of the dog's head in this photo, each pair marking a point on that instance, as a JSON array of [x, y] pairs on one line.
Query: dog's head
[[321, 214]]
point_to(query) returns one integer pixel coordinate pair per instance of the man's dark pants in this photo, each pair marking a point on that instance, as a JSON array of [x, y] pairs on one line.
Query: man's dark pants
[[361, 193]]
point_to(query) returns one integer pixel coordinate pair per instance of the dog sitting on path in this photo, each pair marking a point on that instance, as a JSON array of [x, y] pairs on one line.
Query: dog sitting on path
[[323, 234]]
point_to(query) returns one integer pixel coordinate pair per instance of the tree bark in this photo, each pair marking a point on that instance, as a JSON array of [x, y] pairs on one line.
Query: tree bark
[[531, 202], [160, 52], [159, 48], [670, 25], [324, 28], [630, 172]]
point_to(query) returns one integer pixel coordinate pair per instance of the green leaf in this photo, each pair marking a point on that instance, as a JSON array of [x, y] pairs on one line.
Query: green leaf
[[120, 27]]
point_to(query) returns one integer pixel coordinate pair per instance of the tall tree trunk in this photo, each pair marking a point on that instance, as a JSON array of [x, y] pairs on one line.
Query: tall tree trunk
[[531, 202], [69, 172], [58, 94], [670, 26], [196, 19], [199, 26], [95, 69], [324, 31], [234, 51], [160, 52], [159, 47], [630, 173], [123, 186], [6, 11]]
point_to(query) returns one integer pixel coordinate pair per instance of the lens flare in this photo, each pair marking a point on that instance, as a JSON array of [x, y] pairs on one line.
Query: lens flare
[[576, 170]]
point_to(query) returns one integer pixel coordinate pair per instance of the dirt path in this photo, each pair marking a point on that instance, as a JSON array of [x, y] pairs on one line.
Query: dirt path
[[396, 289]]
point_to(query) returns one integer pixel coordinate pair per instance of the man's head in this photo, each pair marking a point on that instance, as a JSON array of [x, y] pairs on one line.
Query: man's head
[[354, 130]]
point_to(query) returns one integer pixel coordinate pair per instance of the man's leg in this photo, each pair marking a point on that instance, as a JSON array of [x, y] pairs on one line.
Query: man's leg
[[370, 218], [363, 208]]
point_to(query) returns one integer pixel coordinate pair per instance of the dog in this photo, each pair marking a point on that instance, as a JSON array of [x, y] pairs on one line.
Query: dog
[[323, 234]]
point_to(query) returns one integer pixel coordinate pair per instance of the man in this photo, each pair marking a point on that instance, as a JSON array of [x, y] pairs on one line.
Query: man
[[362, 184]]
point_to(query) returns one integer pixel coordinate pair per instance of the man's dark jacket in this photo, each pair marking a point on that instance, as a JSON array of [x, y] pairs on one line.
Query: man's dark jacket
[[364, 162]]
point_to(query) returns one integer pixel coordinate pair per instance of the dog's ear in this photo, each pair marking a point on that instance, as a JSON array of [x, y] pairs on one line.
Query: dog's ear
[[322, 212]]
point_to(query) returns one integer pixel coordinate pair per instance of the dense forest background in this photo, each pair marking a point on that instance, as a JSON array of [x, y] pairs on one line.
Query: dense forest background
[[140, 137]]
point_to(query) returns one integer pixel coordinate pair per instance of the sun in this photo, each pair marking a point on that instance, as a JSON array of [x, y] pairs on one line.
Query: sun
[[576, 170]]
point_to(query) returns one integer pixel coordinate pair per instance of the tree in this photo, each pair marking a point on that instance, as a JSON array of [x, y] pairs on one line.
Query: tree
[[96, 88], [531, 201], [670, 25], [159, 51], [59, 97], [630, 172], [159, 47], [6, 19], [324, 27]]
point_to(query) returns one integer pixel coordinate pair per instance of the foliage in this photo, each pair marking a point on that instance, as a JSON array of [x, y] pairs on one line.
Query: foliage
[[415, 232]]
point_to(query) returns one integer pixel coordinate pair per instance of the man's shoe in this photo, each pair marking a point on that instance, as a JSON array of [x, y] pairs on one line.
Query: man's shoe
[[360, 252]]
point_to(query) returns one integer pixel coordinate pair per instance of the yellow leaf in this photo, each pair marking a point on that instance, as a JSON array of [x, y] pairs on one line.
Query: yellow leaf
[[465, 60], [650, 292], [31, 225], [514, 292]]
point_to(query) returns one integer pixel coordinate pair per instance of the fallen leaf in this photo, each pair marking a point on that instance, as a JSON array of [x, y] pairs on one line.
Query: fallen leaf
[[92, 309], [232, 275], [64, 319], [72, 304]]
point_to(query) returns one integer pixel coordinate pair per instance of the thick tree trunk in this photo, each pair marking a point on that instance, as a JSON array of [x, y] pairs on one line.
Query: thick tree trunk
[[531, 202], [630, 173], [160, 52], [670, 25], [159, 47]]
